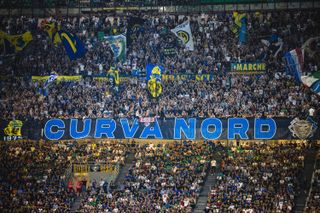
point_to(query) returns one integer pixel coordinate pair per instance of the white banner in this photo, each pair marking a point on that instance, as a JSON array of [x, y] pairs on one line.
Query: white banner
[[183, 32]]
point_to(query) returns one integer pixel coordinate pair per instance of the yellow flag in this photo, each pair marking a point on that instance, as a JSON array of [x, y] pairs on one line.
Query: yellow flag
[[52, 31], [19, 41], [2, 36]]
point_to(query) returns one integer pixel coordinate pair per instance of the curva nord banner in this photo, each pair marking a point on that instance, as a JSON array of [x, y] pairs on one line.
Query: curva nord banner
[[171, 129]]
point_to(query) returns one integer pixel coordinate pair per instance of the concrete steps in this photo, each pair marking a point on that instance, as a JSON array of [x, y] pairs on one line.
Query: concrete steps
[[305, 180], [203, 197], [76, 204], [124, 170]]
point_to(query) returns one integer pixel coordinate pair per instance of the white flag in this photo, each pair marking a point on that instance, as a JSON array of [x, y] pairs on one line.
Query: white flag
[[50, 79], [183, 32]]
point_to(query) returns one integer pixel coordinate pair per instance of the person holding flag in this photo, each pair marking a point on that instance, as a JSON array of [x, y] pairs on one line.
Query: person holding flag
[[113, 76]]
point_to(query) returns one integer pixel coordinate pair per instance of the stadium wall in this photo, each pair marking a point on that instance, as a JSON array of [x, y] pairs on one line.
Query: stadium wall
[[73, 10]]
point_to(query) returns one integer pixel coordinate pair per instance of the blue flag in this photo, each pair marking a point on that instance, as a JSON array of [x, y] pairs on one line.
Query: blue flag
[[72, 44], [154, 77], [135, 27], [243, 30], [294, 63], [240, 26]]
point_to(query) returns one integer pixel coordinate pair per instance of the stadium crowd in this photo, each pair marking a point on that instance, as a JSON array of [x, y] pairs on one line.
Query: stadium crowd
[[222, 97], [32, 178], [258, 178], [34, 175], [272, 94], [169, 177], [215, 44], [163, 178], [112, 152]]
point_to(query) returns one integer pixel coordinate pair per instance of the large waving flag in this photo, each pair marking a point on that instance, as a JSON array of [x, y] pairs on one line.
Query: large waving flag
[[312, 81], [236, 25], [72, 44], [243, 29], [18, 42], [294, 63], [52, 29], [240, 25], [183, 31], [118, 46], [154, 77], [274, 43], [310, 47]]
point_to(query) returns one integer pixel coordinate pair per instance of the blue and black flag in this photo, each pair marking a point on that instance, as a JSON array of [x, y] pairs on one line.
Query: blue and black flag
[[72, 44], [135, 27]]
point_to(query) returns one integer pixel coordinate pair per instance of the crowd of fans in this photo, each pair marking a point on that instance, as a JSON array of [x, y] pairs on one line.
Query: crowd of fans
[[272, 94], [111, 152], [258, 178], [34, 176], [163, 178], [222, 97], [215, 44]]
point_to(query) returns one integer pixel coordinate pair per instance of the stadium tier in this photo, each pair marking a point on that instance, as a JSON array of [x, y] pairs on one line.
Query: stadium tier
[[152, 106]]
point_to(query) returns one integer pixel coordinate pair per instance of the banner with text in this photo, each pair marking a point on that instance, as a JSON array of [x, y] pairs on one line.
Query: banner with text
[[248, 68], [171, 129]]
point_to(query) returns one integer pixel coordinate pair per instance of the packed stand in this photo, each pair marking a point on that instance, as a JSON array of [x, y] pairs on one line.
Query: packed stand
[[33, 178], [35, 175], [111, 152], [273, 94], [165, 178], [215, 44], [236, 96], [258, 178]]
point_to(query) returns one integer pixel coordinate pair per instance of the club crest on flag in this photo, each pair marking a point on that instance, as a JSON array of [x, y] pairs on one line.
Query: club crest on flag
[[13, 128], [183, 32], [184, 36], [154, 76]]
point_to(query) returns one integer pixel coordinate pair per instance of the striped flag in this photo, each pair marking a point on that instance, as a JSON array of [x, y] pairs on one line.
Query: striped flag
[[294, 63], [312, 81]]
